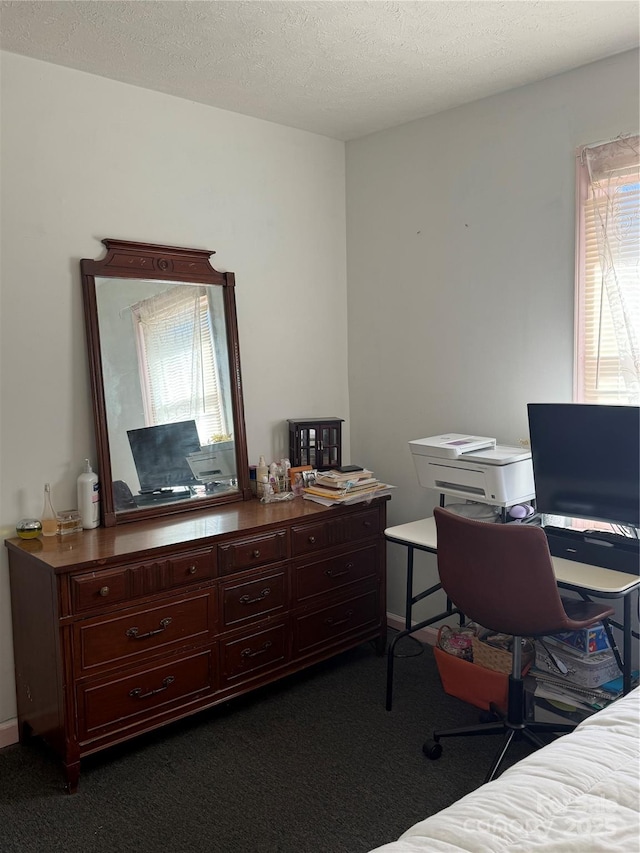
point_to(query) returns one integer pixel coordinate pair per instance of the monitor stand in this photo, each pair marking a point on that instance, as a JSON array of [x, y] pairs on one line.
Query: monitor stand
[[179, 493], [596, 548]]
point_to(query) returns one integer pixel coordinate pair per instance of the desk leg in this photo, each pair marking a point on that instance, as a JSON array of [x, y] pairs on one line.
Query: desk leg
[[409, 601], [626, 644], [391, 656], [390, 659], [612, 642]]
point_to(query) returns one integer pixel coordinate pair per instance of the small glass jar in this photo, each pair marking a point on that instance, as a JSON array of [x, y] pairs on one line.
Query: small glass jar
[[69, 522], [29, 528]]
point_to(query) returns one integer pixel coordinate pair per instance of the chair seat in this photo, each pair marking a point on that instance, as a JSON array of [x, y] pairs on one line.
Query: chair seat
[[583, 614]]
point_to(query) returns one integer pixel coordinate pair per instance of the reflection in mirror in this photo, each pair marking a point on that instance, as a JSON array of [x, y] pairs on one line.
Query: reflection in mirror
[[168, 374], [166, 385]]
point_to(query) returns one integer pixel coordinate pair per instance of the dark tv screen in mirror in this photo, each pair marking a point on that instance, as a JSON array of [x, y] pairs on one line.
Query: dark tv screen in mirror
[[160, 455], [586, 460]]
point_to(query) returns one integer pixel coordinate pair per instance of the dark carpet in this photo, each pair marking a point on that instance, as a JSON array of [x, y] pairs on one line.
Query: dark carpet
[[313, 764]]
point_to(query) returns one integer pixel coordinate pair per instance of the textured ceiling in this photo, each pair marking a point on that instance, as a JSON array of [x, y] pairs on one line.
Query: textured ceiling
[[341, 68]]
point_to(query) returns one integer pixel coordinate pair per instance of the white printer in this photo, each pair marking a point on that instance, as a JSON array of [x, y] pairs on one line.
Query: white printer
[[474, 467], [213, 462]]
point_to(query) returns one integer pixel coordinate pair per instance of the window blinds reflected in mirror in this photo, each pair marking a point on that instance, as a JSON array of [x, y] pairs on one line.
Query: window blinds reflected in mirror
[[178, 364]]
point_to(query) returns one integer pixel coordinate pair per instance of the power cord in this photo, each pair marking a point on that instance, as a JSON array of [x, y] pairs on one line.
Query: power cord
[[413, 639]]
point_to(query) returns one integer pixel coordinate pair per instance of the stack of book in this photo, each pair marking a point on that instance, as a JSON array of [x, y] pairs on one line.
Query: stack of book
[[572, 678], [339, 487]]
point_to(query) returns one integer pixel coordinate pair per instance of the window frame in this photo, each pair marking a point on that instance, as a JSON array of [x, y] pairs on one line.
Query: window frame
[[588, 364]]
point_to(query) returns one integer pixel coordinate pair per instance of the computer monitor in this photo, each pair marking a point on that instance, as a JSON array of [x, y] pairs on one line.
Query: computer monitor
[[586, 461], [160, 455]]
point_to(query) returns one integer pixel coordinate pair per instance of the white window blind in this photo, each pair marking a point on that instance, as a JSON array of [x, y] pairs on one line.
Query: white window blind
[[608, 273], [178, 365]]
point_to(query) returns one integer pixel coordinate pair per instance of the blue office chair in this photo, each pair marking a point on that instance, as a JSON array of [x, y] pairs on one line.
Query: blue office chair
[[501, 576]]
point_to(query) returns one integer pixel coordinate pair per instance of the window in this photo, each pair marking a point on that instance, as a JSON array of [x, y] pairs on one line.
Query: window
[[608, 273], [178, 364]]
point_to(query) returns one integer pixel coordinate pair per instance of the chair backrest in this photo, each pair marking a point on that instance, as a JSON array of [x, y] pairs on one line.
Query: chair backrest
[[499, 575]]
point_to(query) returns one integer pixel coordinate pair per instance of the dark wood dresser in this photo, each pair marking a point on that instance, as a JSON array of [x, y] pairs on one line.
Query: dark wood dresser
[[120, 630]]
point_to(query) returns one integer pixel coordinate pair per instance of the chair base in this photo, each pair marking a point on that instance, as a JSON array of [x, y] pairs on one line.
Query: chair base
[[512, 730]]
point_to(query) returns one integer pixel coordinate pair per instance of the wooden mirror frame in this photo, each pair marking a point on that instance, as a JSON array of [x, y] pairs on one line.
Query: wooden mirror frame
[[146, 261]]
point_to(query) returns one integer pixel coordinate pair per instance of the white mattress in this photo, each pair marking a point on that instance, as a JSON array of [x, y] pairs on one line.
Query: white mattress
[[580, 793]]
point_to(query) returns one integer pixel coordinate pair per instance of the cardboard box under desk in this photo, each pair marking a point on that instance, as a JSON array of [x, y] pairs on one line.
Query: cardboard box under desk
[[588, 641], [472, 683]]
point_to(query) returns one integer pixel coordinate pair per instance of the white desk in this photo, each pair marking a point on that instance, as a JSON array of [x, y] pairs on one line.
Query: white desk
[[585, 579]]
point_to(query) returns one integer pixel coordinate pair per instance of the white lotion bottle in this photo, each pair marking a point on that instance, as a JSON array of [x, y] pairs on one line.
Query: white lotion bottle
[[89, 497], [262, 477]]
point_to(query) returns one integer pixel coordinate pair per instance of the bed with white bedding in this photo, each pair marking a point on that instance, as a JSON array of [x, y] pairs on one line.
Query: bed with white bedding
[[580, 793]]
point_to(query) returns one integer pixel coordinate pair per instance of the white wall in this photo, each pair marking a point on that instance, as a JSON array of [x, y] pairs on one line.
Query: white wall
[[460, 242], [85, 158]]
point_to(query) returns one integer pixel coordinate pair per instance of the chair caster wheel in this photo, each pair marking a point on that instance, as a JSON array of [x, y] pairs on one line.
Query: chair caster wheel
[[432, 749]]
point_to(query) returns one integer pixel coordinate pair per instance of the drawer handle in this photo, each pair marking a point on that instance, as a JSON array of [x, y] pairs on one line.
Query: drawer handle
[[335, 622], [366, 524], [192, 570], [164, 624], [104, 591], [245, 599], [137, 693], [312, 540], [333, 574], [255, 553], [249, 653]]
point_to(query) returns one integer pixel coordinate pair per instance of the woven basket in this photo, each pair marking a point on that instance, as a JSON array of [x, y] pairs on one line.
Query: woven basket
[[500, 660]]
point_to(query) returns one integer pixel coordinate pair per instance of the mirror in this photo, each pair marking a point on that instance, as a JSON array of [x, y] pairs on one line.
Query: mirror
[[165, 374]]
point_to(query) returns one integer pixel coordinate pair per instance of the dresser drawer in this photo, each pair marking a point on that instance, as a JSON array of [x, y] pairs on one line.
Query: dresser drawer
[[190, 568], [127, 699], [360, 525], [332, 623], [249, 655], [311, 538], [250, 599], [142, 632], [253, 552], [323, 576], [99, 589]]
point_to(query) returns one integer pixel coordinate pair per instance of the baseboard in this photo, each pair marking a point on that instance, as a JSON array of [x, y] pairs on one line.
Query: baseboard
[[427, 635], [8, 733]]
